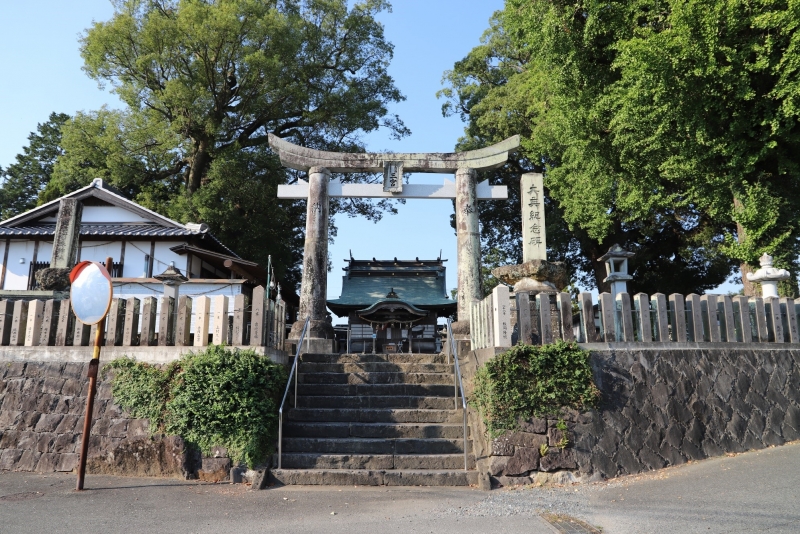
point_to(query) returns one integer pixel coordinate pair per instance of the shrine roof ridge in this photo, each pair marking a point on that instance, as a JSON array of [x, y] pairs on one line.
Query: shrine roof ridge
[[302, 159]]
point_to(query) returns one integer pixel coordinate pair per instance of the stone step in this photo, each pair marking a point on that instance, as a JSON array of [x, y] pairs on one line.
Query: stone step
[[374, 390], [362, 358], [358, 477], [375, 367], [372, 430], [374, 415], [374, 378], [398, 401], [375, 461], [375, 446]]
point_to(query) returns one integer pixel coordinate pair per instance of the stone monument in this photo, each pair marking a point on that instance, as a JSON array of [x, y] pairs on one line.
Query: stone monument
[[535, 275], [65, 247], [320, 187]]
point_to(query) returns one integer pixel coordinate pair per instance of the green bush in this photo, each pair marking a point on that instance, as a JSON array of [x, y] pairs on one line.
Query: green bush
[[217, 397], [533, 381]]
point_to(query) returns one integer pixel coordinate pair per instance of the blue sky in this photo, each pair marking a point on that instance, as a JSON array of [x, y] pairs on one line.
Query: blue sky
[[42, 73]]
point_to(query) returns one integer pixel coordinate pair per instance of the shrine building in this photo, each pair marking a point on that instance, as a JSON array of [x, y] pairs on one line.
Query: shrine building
[[393, 305]]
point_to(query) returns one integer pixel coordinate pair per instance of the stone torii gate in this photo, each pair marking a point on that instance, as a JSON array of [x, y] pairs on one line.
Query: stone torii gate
[[319, 188]]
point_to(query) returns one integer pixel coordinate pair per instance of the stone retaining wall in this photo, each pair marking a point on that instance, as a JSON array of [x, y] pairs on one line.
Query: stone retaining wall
[[661, 406], [42, 406]]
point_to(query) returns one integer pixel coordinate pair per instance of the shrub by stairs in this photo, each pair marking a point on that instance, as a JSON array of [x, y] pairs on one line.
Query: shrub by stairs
[[375, 419]]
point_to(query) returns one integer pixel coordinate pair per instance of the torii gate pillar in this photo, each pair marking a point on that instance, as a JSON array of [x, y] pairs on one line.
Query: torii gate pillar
[[469, 246], [314, 286]]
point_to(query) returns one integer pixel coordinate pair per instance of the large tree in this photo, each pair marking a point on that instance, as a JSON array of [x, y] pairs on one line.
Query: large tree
[[203, 83], [25, 179], [669, 128]]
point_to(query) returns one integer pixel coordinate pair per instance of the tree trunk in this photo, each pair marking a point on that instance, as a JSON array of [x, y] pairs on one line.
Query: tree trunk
[[200, 162], [744, 268]]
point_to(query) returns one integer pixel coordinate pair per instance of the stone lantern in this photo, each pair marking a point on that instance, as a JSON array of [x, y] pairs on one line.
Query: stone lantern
[[768, 276], [172, 278], [617, 269]]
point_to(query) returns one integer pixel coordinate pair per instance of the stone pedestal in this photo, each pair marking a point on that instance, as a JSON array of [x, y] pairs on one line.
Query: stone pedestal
[[534, 276]]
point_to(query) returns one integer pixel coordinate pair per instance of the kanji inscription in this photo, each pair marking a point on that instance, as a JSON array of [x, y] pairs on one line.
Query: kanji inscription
[[534, 242]]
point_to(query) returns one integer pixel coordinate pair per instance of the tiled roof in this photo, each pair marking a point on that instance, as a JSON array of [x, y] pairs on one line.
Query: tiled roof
[[420, 291], [113, 230], [122, 230]]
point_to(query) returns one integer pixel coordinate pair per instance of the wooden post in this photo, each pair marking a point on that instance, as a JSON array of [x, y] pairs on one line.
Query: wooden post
[[757, 307], [586, 308], [741, 315], [116, 322], [658, 303], [66, 324], [774, 320], [695, 318], [677, 308], [626, 321], [6, 318], [166, 324], [201, 321], [564, 304], [47, 337], [258, 317], [725, 307], [149, 314], [19, 321], [33, 327], [220, 334], [790, 315], [708, 305], [240, 320], [184, 326]]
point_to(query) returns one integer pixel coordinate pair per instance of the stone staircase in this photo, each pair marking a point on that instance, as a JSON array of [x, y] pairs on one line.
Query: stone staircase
[[375, 419]]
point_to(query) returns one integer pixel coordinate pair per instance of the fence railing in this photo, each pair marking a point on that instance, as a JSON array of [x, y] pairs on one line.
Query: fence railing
[[150, 321], [641, 318]]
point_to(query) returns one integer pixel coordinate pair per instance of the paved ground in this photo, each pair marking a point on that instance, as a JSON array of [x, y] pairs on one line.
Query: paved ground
[[751, 492]]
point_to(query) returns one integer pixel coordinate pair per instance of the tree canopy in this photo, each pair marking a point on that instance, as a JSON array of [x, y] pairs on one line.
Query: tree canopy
[[25, 179], [203, 83], [670, 128]]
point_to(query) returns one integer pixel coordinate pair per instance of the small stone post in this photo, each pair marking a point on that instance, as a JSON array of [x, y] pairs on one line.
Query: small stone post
[[564, 305], [606, 304], [66, 323], [166, 325], [131, 330], [19, 322], [641, 306], [787, 306], [677, 307], [725, 306], [626, 320], [201, 321], [258, 317], [184, 323], [240, 316], [6, 318], [116, 322], [149, 314], [774, 319], [469, 245], [501, 315], [33, 327], [658, 302], [81, 334], [708, 304], [587, 318], [47, 337], [741, 310], [695, 318], [761, 319], [545, 317], [220, 333]]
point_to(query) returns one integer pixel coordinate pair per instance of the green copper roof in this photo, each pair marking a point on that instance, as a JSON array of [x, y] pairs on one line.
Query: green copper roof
[[420, 283]]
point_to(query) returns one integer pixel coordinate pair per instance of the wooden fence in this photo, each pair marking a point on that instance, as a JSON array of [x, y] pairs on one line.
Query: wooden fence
[[146, 322], [499, 320]]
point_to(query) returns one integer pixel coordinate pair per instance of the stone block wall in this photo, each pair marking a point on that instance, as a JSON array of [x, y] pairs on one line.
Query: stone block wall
[[42, 406], [661, 406]]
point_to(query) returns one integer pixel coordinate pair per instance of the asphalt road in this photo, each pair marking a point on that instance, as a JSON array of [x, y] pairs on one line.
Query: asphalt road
[[752, 492]]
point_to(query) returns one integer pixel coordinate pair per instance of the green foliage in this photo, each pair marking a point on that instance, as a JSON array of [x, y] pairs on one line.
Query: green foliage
[[533, 381], [216, 397], [24, 180], [651, 122], [203, 84]]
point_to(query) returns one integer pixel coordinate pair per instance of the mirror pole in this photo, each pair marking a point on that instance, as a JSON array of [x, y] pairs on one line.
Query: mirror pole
[[94, 365]]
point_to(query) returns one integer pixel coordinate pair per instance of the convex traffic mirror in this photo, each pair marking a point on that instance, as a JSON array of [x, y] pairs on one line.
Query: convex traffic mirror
[[91, 292]]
